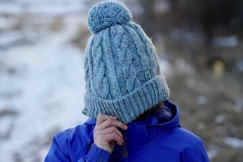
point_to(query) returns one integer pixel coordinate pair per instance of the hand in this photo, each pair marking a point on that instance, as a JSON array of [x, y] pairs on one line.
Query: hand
[[106, 132]]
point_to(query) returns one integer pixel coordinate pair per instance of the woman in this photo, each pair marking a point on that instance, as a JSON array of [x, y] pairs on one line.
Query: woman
[[131, 118]]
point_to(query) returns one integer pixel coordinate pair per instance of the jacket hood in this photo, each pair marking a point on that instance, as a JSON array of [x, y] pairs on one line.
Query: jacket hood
[[142, 131]]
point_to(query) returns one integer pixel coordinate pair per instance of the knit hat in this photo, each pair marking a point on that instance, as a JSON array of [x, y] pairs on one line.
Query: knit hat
[[122, 74]]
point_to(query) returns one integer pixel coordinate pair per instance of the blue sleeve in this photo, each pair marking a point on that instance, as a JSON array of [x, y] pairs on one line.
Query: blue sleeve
[[56, 153], [196, 153], [60, 153], [96, 154]]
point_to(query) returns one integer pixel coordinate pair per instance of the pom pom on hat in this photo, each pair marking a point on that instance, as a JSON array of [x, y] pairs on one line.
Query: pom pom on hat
[[108, 13]]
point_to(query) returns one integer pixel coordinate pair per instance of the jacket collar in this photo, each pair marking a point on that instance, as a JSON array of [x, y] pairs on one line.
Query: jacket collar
[[140, 132]]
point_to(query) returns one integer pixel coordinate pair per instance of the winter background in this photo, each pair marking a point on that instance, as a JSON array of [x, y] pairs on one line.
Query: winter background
[[42, 79]]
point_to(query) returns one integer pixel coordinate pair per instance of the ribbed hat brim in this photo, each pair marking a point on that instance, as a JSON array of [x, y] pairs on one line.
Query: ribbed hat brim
[[132, 105]]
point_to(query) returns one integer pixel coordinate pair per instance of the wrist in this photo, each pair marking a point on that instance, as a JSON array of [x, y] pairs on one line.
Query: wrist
[[98, 154], [107, 147]]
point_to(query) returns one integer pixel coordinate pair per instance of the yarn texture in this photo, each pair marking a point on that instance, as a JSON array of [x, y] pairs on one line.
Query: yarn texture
[[122, 74], [106, 14]]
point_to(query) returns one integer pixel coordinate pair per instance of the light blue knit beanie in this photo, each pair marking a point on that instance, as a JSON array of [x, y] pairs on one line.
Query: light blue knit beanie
[[122, 74]]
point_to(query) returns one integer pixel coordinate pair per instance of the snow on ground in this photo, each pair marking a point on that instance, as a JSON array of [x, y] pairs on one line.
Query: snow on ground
[[41, 83], [46, 95], [41, 6], [234, 142]]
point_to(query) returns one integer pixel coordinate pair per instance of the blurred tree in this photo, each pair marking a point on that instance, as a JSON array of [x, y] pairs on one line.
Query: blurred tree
[[212, 18], [220, 16], [148, 21]]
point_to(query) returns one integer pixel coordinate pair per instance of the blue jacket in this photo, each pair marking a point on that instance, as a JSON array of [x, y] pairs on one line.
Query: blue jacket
[[149, 140]]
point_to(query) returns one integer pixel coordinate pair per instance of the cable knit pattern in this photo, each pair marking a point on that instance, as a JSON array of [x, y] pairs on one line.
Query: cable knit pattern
[[121, 68]]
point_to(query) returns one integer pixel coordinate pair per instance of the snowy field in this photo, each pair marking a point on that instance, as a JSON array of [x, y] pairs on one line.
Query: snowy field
[[41, 75]]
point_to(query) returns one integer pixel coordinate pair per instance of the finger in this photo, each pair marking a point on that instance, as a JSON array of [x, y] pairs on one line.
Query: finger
[[102, 117], [114, 137], [112, 123], [109, 130]]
